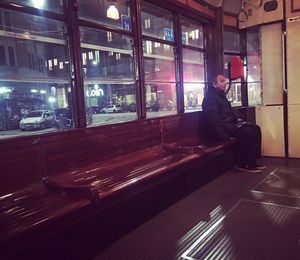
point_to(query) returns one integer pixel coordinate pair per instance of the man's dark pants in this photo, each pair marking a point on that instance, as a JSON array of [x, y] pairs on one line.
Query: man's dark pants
[[249, 144]]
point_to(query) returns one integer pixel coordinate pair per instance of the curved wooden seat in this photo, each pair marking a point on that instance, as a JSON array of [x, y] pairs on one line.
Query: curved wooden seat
[[86, 171]]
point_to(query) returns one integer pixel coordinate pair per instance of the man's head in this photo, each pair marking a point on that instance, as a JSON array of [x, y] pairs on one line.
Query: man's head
[[220, 82]]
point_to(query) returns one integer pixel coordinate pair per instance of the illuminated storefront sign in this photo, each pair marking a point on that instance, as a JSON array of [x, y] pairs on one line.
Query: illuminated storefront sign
[[95, 92]]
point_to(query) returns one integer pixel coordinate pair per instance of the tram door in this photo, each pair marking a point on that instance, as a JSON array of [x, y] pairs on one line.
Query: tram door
[[270, 115], [293, 81]]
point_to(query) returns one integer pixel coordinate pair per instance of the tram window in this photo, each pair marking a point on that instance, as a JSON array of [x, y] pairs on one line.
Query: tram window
[[192, 33], [25, 88], [254, 67], [193, 78], [53, 5], [157, 22], [254, 93], [11, 55], [234, 94], [109, 77], [2, 55], [159, 67], [106, 12], [231, 42], [254, 77]]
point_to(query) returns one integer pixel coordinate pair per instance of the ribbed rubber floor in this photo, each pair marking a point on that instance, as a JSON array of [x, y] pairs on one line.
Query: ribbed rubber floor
[[236, 216], [251, 230], [282, 181]]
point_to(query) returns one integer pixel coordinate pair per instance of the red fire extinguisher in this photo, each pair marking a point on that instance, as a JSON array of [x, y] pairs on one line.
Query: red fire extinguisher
[[236, 68]]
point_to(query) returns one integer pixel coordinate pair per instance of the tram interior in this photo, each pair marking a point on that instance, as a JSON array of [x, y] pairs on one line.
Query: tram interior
[[104, 149]]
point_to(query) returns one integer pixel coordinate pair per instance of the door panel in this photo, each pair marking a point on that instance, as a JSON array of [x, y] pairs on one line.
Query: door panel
[[293, 68], [270, 120], [272, 64], [294, 130]]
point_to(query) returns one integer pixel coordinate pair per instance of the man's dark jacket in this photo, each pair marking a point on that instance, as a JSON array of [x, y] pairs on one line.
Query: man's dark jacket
[[219, 114]]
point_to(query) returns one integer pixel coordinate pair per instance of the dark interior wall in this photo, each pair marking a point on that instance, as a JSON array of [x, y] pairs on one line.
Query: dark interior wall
[[232, 6]]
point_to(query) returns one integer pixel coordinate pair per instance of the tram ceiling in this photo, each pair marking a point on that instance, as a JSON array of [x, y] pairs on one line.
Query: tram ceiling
[[234, 6]]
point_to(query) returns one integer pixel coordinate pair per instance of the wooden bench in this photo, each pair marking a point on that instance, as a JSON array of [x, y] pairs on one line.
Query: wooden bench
[[63, 177]]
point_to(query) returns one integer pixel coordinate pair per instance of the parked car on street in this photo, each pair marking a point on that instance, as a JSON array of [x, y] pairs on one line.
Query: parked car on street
[[37, 119], [111, 109]]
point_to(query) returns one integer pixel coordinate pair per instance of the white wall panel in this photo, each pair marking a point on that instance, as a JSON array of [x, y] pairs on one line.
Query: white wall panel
[[293, 62], [294, 130], [271, 44], [293, 73], [259, 16], [270, 120]]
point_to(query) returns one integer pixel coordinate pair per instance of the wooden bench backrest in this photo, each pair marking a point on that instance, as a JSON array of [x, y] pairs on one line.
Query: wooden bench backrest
[[25, 160], [181, 127], [22, 163], [80, 148]]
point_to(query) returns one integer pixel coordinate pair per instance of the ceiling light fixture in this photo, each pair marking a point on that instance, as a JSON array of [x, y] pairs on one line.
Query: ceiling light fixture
[[112, 12]]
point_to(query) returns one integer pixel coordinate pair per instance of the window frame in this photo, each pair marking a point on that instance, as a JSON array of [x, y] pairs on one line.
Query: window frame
[[70, 17]]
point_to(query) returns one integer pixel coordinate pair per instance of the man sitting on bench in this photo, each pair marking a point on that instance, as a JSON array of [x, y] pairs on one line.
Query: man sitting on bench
[[225, 125]]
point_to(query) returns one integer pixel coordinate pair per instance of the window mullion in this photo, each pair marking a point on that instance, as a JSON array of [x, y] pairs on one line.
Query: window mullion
[[138, 58], [178, 63]]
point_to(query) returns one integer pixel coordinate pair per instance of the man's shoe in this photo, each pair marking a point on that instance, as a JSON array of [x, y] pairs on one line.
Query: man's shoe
[[258, 166], [247, 168]]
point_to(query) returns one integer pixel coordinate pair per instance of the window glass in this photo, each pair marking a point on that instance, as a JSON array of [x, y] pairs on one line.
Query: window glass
[[254, 67], [193, 76], [254, 93], [226, 67], [193, 96], [109, 76], [193, 66], [232, 42], [112, 13], [157, 22], [234, 94], [53, 5], [34, 76], [192, 33], [253, 42], [159, 67]]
